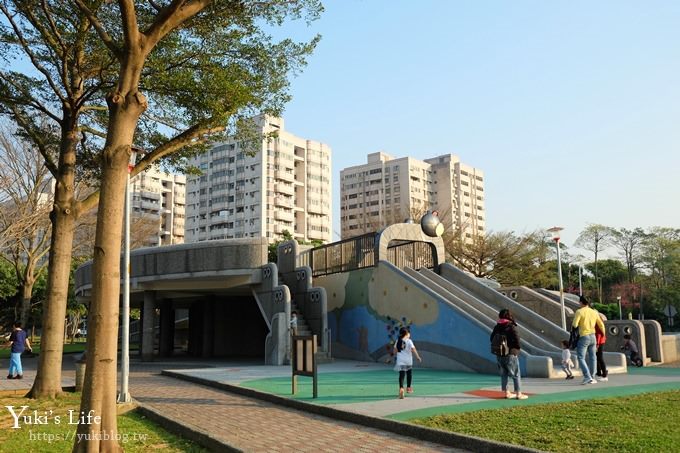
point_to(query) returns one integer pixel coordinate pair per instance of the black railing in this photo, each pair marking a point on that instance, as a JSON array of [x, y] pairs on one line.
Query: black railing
[[413, 254], [360, 252], [343, 256]]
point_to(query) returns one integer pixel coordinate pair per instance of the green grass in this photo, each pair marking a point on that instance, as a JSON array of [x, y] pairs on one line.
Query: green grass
[[639, 423], [137, 433], [68, 348], [78, 346]]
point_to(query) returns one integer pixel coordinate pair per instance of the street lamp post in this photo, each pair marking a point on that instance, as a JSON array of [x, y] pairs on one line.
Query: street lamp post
[[124, 395], [580, 280], [555, 231], [618, 299]]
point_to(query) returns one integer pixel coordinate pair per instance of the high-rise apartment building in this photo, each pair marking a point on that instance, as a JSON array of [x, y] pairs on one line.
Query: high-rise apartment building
[[158, 205], [386, 190], [284, 185]]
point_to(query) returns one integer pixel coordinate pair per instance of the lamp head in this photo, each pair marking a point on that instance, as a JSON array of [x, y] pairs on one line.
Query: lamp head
[[555, 233]]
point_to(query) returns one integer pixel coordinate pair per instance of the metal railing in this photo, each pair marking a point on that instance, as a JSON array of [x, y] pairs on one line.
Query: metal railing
[[343, 256], [413, 254]]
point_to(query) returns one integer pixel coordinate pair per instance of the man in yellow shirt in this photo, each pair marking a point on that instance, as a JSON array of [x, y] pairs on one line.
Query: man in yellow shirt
[[585, 320]]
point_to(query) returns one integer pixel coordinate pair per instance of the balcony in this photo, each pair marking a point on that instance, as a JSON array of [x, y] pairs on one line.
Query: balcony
[[283, 201], [284, 215], [287, 189], [279, 229], [284, 175]]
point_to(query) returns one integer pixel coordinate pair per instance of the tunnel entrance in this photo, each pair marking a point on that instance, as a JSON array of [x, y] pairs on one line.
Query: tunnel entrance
[[226, 327]]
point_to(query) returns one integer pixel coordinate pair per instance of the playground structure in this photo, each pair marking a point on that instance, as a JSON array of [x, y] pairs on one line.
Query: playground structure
[[354, 295]]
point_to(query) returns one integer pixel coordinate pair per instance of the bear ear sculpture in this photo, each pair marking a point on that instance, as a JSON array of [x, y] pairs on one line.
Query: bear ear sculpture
[[431, 225]]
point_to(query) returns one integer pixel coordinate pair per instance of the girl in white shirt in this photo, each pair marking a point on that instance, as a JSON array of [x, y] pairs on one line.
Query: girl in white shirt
[[405, 350]]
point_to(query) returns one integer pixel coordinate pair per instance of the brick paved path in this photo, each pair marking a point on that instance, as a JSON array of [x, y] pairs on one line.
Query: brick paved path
[[257, 426]]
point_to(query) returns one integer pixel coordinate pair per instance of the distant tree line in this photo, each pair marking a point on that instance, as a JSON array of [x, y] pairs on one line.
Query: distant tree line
[[644, 270]]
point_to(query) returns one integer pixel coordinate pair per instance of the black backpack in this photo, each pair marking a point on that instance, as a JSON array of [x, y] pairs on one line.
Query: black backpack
[[499, 345]]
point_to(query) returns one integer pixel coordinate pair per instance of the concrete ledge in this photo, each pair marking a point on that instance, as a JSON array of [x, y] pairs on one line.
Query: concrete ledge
[[539, 366], [442, 437], [201, 437]]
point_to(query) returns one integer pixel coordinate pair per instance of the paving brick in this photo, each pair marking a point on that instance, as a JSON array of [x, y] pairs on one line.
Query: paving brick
[[253, 425]]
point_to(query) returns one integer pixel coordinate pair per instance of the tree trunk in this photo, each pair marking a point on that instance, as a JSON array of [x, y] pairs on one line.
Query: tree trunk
[[27, 290], [26, 294], [99, 390], [47, 382]]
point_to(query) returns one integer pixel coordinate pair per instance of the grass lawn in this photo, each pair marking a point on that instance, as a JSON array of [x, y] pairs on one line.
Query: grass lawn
[[137, 433], [78, 346], [68, 347], [644, 422]]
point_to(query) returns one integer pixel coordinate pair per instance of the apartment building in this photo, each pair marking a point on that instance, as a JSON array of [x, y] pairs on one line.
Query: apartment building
[[387, 190], [283, 185], [158, 207]]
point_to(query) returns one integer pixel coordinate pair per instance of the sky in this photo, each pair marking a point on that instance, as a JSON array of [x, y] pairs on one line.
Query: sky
[[570, 108]]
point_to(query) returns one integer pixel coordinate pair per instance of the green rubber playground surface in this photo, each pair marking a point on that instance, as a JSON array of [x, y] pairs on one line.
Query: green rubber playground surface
[[366, 386], [369, 386], [654, 371]]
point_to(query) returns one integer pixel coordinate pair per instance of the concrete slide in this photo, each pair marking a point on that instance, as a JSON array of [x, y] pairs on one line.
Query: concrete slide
[[539, 337]]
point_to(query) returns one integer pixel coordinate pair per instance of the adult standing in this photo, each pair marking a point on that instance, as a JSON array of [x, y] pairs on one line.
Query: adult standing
[[18, 344], [508, 365], [585, 320]]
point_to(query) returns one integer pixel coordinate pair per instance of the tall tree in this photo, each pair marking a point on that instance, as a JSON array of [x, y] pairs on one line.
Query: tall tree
[[67, 70], [594, 238], [206, 66], [25, 200], [661, 255], [201, 63], [629, 244], [503, 256]]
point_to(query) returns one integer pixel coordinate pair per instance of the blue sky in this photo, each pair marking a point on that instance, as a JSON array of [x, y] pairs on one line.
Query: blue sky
[[570, 108]]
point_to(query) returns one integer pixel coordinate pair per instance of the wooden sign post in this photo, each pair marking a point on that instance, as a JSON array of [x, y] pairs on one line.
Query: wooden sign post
[[303, 360]]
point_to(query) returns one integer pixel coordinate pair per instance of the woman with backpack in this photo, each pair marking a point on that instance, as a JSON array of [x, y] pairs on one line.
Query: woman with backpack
[[507, 356], [405, 350]]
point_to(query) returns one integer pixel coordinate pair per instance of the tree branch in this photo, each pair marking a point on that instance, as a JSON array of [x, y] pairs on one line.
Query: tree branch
[[101, 31], [38, 139], [27, 50], [92, 131], [195, 135], [171, 17]]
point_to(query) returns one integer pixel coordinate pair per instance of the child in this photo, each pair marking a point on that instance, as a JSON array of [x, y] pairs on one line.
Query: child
[[631, 346], [293, 322], [566, 359], [405, 350]]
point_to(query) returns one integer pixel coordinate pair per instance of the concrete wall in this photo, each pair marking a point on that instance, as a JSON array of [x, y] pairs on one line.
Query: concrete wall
[[671, 347], [204, 258], [616, 329], [538, 303], [653, 340], [367, 307]]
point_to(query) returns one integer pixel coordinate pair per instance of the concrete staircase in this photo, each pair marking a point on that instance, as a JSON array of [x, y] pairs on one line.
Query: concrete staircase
[[302, 326], [304, 329]]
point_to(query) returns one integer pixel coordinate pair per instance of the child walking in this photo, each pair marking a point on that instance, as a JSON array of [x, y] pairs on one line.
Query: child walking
[[567, 364], [405, 351]]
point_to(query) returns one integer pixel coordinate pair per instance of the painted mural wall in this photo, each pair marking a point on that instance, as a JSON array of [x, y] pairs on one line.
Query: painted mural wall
[[367, 307]]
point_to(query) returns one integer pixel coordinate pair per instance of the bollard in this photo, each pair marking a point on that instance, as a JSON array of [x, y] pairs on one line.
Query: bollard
[[80, 373]]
